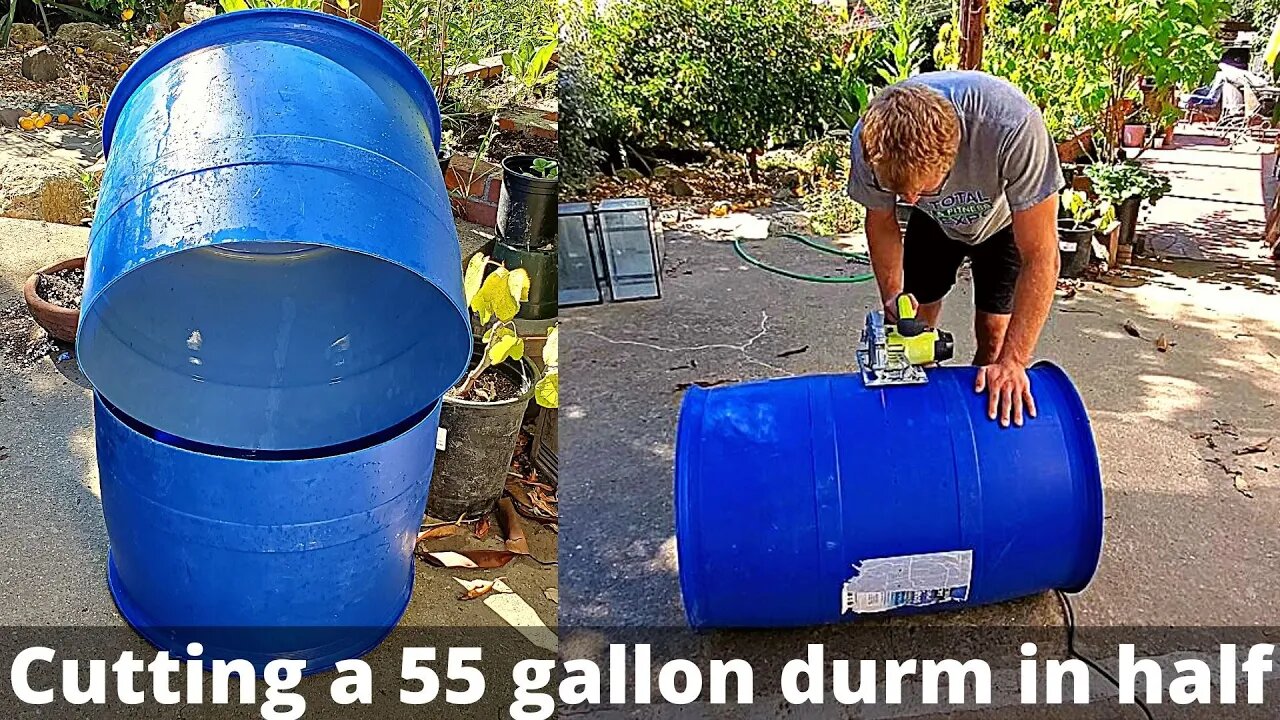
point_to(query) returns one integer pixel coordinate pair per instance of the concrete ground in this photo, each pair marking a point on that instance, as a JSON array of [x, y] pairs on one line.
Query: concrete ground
[[1184, 546], [53, 568]]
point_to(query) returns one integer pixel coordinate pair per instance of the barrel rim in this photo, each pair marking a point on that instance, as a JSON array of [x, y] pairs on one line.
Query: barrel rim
[[1091, 464], [85, 312], [241, 23], [687, 541]]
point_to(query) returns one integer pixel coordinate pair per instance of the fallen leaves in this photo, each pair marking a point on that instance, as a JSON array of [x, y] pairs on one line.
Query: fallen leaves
[[439, 531], [1255, 448], [1163, 344], [482, 528], [1221, 429], [533, 499], [479, 588], [473, 559]]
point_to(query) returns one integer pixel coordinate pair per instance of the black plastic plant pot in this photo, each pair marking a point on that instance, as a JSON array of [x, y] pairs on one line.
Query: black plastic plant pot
[[544, 284], [1127, 215], [479, 441], [1075, 247], [527, 205]]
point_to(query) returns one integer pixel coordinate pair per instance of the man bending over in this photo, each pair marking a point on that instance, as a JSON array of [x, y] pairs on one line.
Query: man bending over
[[971, 153]]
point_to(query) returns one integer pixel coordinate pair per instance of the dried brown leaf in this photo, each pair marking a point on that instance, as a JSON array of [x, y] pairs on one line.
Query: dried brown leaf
[[1163, 344], [481, 588], [482, 528], [509, 521], [474, 559], [435, 533]]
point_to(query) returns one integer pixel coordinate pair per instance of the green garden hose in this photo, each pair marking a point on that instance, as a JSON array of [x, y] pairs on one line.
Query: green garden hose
[[739, 248]]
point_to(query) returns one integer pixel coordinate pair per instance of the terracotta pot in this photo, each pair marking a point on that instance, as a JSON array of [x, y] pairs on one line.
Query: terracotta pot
[[1072, 149], [1134, 136], [58, 321]]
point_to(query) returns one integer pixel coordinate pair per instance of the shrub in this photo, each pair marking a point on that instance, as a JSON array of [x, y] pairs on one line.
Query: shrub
[[741, 75]]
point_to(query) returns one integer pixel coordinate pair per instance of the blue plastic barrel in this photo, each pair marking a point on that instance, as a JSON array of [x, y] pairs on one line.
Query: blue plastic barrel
[[812, 500], [302, 557], [273, 264]]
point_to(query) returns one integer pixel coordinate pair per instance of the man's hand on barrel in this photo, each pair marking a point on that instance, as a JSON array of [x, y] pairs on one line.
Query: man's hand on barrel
[[1008, 391]]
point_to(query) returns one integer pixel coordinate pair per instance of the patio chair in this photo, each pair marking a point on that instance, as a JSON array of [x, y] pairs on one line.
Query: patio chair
[[1251, 123]]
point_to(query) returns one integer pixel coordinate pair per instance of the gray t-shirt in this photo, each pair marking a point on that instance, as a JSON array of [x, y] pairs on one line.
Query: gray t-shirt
[[1006, 162]]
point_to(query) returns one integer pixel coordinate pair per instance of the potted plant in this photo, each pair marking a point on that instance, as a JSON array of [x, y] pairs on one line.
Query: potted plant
[[52, 294], [480, 417], [1134, 134], [1126, 186], [1076, 231], [526, 229]]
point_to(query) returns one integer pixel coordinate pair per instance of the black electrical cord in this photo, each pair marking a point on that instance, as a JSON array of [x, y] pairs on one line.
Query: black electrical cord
[[1072, 652]]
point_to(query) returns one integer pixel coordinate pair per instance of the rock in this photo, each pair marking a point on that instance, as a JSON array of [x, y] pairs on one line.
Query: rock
[[664, 171], [628, 174], [25, 34], [108, 41], [196, 13], [78, 33], [678, 187], [783, 193], [41, 65]]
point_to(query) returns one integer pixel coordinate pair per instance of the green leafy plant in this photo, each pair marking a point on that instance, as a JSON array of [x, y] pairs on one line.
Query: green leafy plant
[[946, 53], [530, 64], [902, 44], [1118, 182], [546, 392], [545, 168], [494, 294], [833, 212], [740, 75], [1100, 215], [856, 65]]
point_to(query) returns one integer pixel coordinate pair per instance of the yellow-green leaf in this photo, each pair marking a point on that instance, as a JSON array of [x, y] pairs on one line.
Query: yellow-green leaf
[[546, 392], [494, 298], [506, 344], [519, 282], [473, 277], [551, 349]]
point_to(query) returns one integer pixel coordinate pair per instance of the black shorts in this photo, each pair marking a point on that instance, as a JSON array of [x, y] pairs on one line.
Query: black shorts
[[931, 259]]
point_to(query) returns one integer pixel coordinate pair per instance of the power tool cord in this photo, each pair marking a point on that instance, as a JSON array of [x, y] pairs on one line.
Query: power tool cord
[[741, 249], [1072, 652]]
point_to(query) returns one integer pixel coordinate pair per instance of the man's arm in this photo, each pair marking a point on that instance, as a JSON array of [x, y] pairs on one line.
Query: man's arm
[[884, 241], [1035, 232]]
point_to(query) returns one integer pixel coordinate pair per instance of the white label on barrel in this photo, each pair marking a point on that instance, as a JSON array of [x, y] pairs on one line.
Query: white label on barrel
[[441, 434], [882, 584]]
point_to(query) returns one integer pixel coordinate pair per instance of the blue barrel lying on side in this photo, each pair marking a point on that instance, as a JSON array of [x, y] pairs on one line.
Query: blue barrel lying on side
[[811, 500], [272, 311]]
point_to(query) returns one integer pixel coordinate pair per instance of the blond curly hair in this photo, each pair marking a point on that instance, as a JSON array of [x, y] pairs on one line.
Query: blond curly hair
[[910, 133]]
